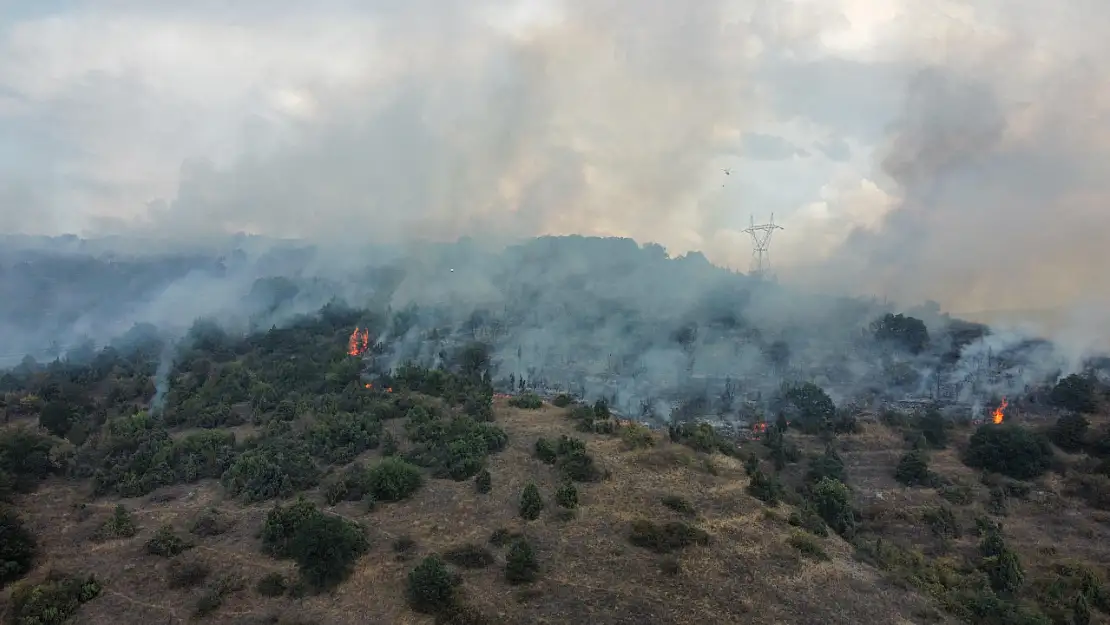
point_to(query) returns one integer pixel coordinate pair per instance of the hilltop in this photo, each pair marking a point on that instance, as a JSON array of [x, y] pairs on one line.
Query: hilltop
[[263, 479]]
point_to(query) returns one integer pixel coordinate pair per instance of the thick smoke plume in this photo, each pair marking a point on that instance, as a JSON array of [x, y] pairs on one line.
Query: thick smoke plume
[[969, 172]]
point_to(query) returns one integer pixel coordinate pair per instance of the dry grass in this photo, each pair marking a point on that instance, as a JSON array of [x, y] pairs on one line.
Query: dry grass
[[590, 573]]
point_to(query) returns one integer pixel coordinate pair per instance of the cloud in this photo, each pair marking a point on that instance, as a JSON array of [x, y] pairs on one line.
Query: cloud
[[954, 149]]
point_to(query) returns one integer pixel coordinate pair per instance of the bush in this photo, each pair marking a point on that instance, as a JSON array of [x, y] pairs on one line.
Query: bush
[[942, 521], [934, 429], [808, 519], [393, 479], [483, 482], [531, 503], [807, 545], [1075, 393], [187, 573], [562, 400], [566, 496], [679, 505], [211, 522], [913, 469], [325, 547], [501, 537], [18, 547], [167, 543], [469, 556], [119, 525], [545, 451], [527, 401], [521, 566], [1070, 432], [1010, 450], [765, 488], [829, 464], [53, 601], [831, 500], [637, 436], [215, 593], [430, 587], [666, 538], [958, 494], [272, 584]]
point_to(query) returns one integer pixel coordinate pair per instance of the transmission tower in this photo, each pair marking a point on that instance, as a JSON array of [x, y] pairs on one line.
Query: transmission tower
[[761, 243]]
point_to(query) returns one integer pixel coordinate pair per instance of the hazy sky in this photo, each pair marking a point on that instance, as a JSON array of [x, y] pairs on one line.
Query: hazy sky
[[952, 149]]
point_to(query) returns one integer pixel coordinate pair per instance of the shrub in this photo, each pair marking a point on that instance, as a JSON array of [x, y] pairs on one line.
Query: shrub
[[211, 522], [167, 543], [325, 547], [666, 538], [545, 451], [562, 400], [679, 505], [913, 469], [521, 566], [119, 525], [483, 482], [807, 545], [829, 464], [1075, 393], [1010, 450], [215, 592], [272, 584], [18, 547], [831, 500], [527, 401], [942, 521], [958, 494], [934, 429], [1070, 432], [53, 601], [765, 488], [808, 519], [566, 496], [393, 479], [502, 536], [187, 573], [430, 587], [469, 556], [531, 503], [637, 436]]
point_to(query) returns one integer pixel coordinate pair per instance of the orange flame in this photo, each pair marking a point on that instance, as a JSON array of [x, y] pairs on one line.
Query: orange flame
[[999, 412], [359, 342]]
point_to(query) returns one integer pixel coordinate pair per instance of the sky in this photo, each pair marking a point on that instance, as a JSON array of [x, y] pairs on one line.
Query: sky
[[954, 150]]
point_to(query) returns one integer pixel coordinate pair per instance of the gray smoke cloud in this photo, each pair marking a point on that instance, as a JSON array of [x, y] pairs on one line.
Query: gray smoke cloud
[[951, 150]]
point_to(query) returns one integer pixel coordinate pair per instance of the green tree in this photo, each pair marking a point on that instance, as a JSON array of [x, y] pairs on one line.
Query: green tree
[[521, 565], [1081, 611], [18, 547], [908, 333], [913, 469], [483, 482], [1070, 432], [1076, 393], [934, 429], [1009, 449], [531, 502], [831, 499], [566, 495], [393, 479], [430, 587]]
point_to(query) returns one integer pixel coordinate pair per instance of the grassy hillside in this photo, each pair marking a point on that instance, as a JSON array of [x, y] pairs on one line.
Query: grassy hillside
[[275, 485]]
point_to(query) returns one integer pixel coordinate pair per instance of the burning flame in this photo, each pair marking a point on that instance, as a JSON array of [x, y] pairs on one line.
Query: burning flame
[[388, 389], [359, 342], [999, 412]]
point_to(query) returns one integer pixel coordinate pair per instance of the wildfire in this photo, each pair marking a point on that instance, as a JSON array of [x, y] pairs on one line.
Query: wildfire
[[999, 412], [359, 342], [388, 389]]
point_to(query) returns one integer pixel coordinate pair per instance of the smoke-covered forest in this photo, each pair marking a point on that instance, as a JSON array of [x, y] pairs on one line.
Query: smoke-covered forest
[[598, 318]]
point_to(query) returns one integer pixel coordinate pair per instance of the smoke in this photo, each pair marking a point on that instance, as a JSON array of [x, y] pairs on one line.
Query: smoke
[[162, 377], [951, 151]]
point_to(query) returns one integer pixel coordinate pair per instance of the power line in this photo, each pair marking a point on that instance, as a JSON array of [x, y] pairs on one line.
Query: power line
[[761, 244]]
